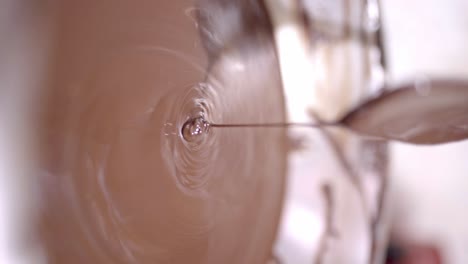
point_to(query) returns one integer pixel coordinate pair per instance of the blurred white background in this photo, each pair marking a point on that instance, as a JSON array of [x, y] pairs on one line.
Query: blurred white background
[[428, 186]]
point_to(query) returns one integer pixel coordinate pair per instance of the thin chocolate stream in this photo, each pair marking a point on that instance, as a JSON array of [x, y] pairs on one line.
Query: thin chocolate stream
[[318, 125], [193, 128], [198, 125]]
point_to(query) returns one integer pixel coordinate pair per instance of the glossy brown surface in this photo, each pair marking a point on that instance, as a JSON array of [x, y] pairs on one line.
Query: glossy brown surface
[[119, 183]]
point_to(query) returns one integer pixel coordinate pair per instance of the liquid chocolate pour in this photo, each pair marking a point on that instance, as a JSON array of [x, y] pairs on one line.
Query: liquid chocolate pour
[[266, 125], [198, 126]]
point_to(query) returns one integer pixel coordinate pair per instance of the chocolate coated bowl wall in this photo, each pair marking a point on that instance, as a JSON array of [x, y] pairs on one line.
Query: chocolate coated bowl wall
[[119, 184]]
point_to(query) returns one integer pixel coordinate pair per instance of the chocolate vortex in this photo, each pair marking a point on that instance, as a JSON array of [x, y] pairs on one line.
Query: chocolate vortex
[[190, 157], [120, 184]]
